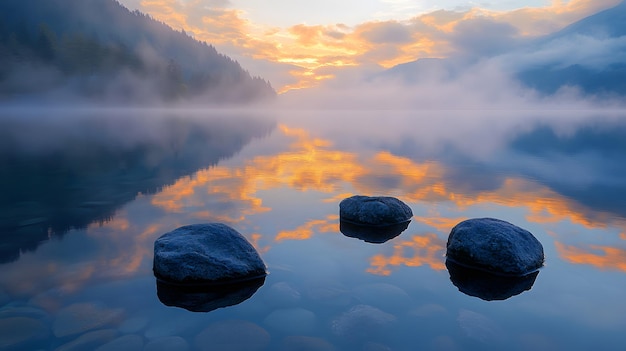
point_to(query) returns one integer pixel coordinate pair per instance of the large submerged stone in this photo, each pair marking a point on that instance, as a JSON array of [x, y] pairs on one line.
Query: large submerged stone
[[374, 210], [494, 246], [205, 254]]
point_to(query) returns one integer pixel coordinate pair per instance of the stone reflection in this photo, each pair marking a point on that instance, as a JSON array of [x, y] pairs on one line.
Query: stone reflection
[[206, 298], [372, 234], [488, 286]]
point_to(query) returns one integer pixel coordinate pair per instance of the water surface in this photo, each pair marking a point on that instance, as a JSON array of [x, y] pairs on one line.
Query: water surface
[[85, 194]]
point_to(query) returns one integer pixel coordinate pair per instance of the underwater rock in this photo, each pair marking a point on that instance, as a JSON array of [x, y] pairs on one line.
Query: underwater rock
[[374, 210], [130, 342], [282, 295], [167, 343], [212, 253], [89, 341], [387, 297], [361, 322], [487, 286], [372, 234], [233, 335], [480, 327], [494, 246], [207, 298], [305, 343], [81, 317], [19, 331], [298, 321]]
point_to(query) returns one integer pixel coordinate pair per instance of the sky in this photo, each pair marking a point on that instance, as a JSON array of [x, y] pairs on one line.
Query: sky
[[299, 44]]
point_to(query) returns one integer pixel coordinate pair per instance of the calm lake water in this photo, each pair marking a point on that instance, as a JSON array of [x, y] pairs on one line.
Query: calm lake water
[[85, 194]]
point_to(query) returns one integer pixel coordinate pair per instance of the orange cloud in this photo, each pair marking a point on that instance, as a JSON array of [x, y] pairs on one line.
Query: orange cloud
[[426, 249], [602, 257], [443, 225], [328, 225], [308, 51], [312, 164]]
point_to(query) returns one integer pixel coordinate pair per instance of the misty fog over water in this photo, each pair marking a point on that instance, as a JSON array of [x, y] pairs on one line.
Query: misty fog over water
[[86, 193], [120, 121]]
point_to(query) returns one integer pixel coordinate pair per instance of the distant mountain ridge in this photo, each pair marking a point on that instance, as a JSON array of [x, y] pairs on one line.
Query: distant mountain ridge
[[598, 73], [610, 22], [99, 49]]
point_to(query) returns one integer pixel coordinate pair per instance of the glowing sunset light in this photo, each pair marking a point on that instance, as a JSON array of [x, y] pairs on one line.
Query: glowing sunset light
[[328, 225], [313, 164], [601, 257], [384, 33], [417, 251]]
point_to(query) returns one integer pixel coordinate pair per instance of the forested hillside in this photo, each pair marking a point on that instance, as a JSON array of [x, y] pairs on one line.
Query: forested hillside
[[99, 50]]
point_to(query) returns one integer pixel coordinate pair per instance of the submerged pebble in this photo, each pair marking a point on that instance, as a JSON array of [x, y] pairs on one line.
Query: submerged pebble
[[81, 317], [232, 335]]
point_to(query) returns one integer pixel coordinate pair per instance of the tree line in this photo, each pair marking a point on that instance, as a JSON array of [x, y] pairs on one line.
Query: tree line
[[125, 55]]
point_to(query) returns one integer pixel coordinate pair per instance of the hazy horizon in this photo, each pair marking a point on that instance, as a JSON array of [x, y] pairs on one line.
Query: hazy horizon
[[297, 46]]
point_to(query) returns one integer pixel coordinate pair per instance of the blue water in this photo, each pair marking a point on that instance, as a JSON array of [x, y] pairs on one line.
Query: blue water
[[85, 194]]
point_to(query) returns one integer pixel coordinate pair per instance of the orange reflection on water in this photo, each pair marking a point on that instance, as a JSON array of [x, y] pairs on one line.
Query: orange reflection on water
[[312, 164], [442, 224], [426, 249], [602, 257], [309, 165], [255, 238], [306, 231]]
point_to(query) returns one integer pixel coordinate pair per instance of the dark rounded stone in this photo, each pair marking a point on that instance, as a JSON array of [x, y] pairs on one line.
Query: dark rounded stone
[[205, 254], [494, 246], [374, 210]]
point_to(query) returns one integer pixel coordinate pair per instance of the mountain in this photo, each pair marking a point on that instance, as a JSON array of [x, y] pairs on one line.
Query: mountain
[[421, 70], [608, 23], [595, 47], [589, 54], [99, 50]]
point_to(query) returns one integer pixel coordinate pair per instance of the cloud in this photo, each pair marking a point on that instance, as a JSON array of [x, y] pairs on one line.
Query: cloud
[[483, 36], [597, 54], [306, 51], [390, 32]]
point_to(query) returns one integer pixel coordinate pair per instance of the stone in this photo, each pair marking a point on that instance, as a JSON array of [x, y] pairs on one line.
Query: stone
[[282, 295], [494, 246], [81, 317], [305, 343], [362, 322], [20, 331], [89, 341], [295, 321], [233, 335], [167, 343], [130, 342], [480, 327], [387, 297], [212, 253], [374, 210]]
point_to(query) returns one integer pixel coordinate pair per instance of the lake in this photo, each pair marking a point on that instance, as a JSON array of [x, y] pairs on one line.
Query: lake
[[85, 194]]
